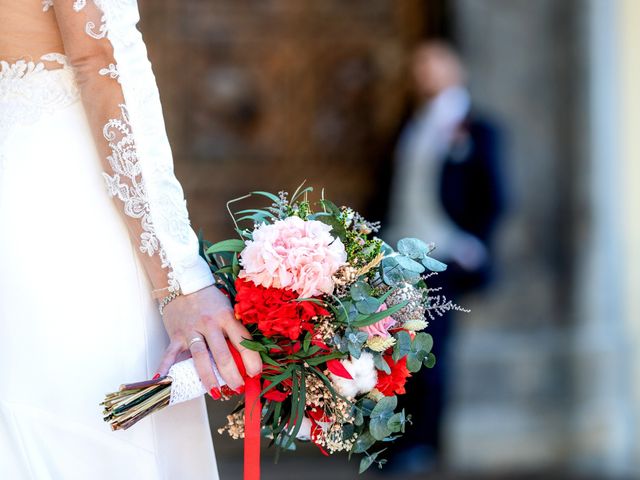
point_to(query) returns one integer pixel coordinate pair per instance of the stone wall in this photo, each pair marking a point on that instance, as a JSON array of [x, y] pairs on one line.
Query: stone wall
[[265, 94], [512, 384]]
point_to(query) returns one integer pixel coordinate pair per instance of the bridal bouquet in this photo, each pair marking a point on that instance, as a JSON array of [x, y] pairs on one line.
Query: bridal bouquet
[[337, 316]]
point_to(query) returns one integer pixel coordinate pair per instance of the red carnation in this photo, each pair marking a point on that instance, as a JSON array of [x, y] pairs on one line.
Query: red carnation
[[274, 310], [393, 383]]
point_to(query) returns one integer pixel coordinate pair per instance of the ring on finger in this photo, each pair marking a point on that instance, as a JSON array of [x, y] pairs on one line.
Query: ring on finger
[[195, 340]]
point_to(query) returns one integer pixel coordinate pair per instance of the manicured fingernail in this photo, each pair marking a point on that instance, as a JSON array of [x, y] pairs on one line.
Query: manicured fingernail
[[215, 393], [156, 376], [239, 390]]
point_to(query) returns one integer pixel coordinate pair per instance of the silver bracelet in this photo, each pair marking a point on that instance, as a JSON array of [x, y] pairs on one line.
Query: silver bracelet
[[166, 300]]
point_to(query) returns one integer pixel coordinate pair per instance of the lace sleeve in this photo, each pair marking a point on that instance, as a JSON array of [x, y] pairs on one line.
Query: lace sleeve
[[122, 103]]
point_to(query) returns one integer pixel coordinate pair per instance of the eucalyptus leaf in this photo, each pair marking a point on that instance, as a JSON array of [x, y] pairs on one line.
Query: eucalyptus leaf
[[385, 404], [381, 364], [368, 305], [407, 264], [414, 363], [413, 247], [423, 342], [396, 422], [360, 291], [365, 463], [430, 361], [366, 405], [378, 427], [433, 264], [402, 346], [363, 443], [354, 350]]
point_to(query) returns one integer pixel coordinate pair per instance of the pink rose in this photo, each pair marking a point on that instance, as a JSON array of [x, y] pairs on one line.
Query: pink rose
[[293, 253], [381, 327]]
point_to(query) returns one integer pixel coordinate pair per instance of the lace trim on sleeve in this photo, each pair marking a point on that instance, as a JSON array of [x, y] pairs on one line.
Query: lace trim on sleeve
[[142, 169], [132, 193]]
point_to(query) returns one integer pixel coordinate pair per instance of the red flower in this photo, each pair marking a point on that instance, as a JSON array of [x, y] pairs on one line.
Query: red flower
[[275, 311], [393, 383]]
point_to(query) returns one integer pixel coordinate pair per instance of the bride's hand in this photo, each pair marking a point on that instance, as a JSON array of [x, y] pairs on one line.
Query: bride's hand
[[207, 314]]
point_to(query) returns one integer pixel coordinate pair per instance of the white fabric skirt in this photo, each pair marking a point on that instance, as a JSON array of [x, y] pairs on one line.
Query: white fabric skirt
[[76, 315]]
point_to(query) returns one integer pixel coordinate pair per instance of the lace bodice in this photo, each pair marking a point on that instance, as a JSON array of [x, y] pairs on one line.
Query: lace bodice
[[28, 89], [106, 64]]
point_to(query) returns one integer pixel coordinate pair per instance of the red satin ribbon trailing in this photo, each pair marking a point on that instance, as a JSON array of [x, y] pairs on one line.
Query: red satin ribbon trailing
[[252, 417], [252, 412]]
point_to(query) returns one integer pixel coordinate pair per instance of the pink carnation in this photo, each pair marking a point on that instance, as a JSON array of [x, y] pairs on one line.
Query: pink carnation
[[381, 327], [293, 253]]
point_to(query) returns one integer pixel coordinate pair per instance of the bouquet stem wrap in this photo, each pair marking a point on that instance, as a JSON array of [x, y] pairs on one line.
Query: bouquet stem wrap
[[135, 401]]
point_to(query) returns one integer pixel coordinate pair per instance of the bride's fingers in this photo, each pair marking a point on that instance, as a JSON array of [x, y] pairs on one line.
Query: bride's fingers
[[168, 358], [252, 361], [202, 361], [224, 359]]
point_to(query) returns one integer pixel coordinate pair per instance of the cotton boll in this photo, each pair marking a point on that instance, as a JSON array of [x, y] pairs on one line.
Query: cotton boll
[[364, 373]]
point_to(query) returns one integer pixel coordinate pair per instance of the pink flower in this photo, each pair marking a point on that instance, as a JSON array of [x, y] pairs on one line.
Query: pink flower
[[381, 327], [293, 253]]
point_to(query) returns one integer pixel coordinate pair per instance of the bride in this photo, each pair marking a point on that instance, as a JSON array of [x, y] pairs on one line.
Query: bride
[[93, 291]]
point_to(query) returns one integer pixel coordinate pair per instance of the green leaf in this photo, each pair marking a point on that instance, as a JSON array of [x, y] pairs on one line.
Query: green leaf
[[337, 227], [306, 342], [396, 422], [367, 405], [363, 443], [413, 247], [300, 193], [331, 207], [297, 420], [430, 361], [368, 305], [360, 291], [367, 461], [414, 362], [402, 346], [433, 264], [253, 345], [270, 196], [265, 213], [381, 364], [380, 416], [366, 320], [267, 359], [277, 379], [314, 361], [231, 245], [409, 265], [235, 265], [385, 404], [423, 342], [378, 427]]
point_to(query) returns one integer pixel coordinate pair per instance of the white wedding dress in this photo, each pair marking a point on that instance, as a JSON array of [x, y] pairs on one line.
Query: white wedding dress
[[77, 317]]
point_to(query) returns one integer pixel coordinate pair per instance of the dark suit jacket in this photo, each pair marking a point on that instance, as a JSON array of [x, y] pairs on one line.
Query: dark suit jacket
[[471, 190]]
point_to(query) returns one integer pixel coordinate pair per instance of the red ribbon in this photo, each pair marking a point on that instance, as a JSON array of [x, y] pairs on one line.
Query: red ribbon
[[252, 412], [252, 417]]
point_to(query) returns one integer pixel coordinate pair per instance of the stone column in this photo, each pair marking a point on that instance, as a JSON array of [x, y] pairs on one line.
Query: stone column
[[606, 364]]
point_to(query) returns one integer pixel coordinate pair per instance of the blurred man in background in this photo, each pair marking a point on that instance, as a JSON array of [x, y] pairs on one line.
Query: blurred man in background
[[445, 189]]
